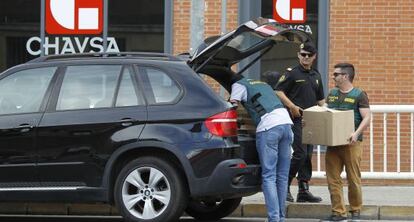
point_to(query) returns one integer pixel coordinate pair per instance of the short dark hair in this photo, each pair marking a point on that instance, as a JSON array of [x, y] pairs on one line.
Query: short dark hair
[[271, 78], [347, 68]]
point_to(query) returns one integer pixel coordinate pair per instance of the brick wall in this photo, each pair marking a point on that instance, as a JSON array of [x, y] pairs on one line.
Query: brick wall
[[212, 25], [377, 37], [212, 21], [181, 29]]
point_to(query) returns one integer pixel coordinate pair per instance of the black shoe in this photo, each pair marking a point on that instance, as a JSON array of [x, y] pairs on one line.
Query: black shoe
[[355, 216], [306, 196], [289, 197], [334, 217]]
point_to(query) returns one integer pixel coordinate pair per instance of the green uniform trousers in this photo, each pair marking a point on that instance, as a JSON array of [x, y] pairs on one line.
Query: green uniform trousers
[[336, 158]]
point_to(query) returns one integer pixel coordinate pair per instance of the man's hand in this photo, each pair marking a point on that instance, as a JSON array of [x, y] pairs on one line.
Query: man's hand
[[353, 138], [295, 111]]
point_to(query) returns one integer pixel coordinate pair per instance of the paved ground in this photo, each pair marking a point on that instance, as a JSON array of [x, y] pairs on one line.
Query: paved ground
[[372, 195], [380, 203], [119, 219]]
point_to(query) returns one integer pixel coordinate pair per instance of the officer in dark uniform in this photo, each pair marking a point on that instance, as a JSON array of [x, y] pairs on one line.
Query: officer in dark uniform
[[299, 89]]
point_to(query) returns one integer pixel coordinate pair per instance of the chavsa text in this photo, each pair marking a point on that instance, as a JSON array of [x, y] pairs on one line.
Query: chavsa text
[[303, 28], [64, 45]]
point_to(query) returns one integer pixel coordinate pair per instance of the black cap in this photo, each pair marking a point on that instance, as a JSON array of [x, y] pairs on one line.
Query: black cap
[[309, 47]]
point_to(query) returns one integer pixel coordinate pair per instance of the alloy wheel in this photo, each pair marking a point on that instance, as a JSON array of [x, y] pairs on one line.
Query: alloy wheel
[[146, 192]]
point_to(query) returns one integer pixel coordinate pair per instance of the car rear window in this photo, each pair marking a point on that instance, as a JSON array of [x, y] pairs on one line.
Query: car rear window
[[245, 41]]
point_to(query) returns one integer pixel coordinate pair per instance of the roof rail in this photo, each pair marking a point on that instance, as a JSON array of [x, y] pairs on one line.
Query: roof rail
[[152, 55]]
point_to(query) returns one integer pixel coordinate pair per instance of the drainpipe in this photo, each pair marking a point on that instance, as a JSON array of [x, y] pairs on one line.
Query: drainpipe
[[197, 24]]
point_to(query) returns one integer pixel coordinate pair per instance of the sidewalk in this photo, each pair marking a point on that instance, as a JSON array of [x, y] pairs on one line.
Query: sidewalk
[[380, 203]]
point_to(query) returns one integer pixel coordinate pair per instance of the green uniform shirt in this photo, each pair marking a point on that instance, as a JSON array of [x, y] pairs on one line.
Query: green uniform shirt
[[352, 100]]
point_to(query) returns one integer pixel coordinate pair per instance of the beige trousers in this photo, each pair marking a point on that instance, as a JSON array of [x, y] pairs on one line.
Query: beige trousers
[[338, 157]]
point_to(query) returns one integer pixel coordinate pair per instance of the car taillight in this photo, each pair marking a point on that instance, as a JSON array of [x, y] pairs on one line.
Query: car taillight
[[223, 124]]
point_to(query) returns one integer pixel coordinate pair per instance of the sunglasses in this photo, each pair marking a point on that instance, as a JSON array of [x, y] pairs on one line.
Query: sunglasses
[[335, 74], [306, 54]]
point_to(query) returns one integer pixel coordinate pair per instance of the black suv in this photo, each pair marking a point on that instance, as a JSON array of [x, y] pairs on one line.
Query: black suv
[[139, 130]]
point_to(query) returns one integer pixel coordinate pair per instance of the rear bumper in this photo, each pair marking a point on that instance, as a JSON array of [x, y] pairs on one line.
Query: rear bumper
[[229, 180]]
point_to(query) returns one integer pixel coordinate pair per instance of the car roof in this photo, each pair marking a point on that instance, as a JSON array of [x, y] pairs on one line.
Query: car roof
[[99, 56], [150, 58]]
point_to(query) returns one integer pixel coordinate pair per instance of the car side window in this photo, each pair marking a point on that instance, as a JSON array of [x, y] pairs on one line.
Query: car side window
[[127, 94], [23, 91], [88, 87], [164, 89]]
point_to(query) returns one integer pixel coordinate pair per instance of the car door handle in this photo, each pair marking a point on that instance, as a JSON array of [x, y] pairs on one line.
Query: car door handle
[[25, 127], [127, 121]]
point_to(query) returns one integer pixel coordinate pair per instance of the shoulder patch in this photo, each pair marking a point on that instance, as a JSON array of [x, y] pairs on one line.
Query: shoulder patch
[[282, 78]]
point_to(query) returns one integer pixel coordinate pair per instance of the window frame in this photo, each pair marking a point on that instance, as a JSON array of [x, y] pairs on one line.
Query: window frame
[[138, 92]]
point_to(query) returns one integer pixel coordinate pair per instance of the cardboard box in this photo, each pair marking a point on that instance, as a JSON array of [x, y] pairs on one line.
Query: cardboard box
[[324, 126]]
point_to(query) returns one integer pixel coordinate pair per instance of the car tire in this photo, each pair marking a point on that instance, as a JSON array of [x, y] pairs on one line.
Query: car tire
[[150, 189], [212, 210]]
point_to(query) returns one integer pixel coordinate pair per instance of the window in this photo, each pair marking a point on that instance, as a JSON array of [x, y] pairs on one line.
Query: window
[[19, 21], [163, 88], [127, 95], [23, 91], [245, 41], [88, 87], [137, 25]]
